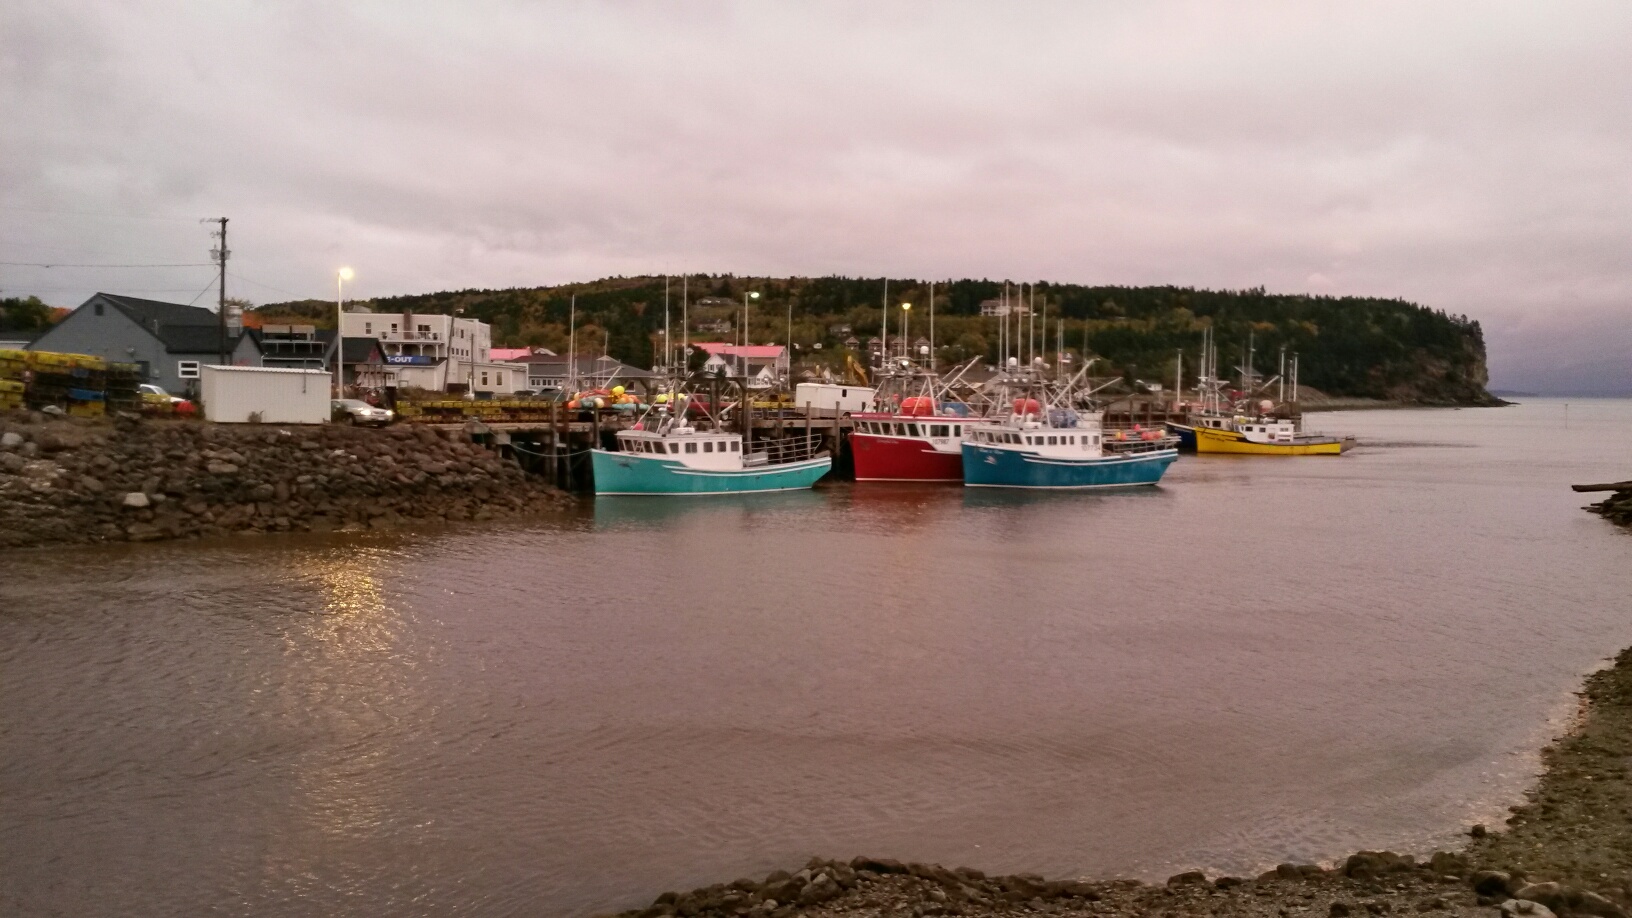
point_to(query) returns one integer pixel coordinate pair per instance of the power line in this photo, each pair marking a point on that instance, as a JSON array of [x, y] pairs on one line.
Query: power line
[[39, 264], [87, 213], [298, 296], [202, 292]]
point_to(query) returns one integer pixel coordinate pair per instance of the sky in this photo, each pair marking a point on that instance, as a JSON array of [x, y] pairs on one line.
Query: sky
[[1472, 156]]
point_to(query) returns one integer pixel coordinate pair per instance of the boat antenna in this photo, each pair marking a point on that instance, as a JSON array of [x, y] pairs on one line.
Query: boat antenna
[[668, 345], [931, 326], [685, 325], [884, 346], [572, 345]]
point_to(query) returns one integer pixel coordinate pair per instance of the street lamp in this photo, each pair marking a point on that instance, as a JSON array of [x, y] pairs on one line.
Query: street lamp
[[340, 278], [906, 347], [750, 295]]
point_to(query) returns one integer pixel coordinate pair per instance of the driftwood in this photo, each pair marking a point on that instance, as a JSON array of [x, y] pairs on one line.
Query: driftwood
[[1615, 486]]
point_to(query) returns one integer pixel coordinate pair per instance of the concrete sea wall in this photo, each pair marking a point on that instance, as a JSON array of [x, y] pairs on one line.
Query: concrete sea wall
[[67, 481]]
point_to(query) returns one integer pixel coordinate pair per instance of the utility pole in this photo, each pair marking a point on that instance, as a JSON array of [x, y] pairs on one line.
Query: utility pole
[[219, 255]]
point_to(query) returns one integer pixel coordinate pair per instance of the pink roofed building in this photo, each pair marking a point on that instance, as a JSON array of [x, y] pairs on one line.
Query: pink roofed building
[[520, 353], [763, 364]]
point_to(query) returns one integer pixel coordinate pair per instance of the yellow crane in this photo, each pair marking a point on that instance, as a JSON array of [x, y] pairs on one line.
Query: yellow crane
[[856, 368]]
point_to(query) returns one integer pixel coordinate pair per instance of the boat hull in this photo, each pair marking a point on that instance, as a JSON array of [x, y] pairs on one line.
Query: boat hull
[[989, 467], [902, 459], [629, 474], [1229, 441], [1186, 435]]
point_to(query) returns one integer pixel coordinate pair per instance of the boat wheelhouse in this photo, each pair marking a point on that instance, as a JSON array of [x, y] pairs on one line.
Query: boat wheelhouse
[[680, 459]]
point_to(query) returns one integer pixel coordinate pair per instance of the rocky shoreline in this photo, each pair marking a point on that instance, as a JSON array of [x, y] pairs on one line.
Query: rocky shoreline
[[1567, 851], [69, 481], [1617, 508]]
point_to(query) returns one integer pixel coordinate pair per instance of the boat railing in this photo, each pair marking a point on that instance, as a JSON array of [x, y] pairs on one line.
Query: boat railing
[[784, 450]]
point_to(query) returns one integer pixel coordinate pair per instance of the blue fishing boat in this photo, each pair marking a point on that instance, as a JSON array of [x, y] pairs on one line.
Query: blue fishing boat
[[1024, 457], [678, 459], [1057, 448]]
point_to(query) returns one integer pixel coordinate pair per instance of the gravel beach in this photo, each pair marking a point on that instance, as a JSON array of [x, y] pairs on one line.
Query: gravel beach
[[1566, 851]]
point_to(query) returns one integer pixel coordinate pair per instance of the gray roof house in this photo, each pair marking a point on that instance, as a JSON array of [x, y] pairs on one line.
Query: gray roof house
[[169, 341], [590, 372]]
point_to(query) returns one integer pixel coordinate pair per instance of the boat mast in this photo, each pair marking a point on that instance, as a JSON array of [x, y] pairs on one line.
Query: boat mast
[[884, 346], [1178, 381], [668, 345], [931, 326], [685, 324], [572, 345], [1281, 397], [1003, 330]]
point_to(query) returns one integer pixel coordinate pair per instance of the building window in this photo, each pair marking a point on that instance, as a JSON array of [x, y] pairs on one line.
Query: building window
[[187, 369], [368, 328], [98, 308], [484, 379]]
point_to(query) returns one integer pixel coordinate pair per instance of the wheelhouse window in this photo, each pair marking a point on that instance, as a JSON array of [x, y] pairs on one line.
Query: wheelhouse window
[[674, 447], [708, 446], [691, 447], [735, 445], [937, 430]]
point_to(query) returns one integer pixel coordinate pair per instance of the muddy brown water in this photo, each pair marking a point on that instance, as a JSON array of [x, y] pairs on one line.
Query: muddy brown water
[[1261, 660]]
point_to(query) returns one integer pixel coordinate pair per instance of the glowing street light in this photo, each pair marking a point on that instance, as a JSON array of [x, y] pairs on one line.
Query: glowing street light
[[750, 295], [340, 278], [906, 313]]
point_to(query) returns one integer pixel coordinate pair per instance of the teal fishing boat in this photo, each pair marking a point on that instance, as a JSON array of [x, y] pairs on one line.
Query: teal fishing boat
[[677, 459]]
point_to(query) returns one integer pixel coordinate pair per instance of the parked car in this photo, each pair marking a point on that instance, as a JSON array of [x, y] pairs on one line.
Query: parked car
[[356, 411], [156, 400], [152, 393]]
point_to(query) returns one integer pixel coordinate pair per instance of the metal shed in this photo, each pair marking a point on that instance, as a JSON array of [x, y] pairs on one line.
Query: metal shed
[[276, 395]]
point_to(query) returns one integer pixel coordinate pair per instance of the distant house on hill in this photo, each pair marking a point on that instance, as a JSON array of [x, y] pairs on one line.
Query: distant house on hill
[[713, 326], [763, 365], [1000, 308], [170, 342], [839, 328]]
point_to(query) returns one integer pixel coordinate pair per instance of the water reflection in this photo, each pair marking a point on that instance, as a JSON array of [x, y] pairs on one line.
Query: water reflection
[[724, 510]]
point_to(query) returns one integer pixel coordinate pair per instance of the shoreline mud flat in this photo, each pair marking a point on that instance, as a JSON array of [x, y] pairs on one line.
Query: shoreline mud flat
[[1567, 850], [65, 482]]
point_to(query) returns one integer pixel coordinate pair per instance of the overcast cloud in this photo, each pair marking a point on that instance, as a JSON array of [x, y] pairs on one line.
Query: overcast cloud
[[1472, 156]]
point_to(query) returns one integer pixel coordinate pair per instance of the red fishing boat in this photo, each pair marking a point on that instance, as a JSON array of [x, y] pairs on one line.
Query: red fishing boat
[[916, 442]]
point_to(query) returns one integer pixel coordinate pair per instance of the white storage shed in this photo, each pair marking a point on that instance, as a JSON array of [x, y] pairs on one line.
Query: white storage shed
[[830, 397], [275, 395]]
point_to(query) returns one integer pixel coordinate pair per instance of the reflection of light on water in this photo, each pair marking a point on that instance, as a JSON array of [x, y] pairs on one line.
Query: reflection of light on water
[[343, 683], [354, 610]]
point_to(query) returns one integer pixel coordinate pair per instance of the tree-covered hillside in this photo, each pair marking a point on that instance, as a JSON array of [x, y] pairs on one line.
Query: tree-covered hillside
[[1351, 346]]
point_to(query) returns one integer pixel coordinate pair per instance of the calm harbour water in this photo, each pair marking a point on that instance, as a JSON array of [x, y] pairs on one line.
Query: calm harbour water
[[1261, 660]]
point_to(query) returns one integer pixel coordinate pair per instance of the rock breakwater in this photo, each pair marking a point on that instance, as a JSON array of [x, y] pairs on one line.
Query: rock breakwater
[[69, 481], [1617, 508]]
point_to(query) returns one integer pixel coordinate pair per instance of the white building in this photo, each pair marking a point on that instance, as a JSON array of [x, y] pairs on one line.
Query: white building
[[1000, 308], [438, 352], [762, 365]]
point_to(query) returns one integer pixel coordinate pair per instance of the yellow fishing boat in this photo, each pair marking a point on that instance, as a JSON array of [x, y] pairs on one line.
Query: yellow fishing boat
[[1266, 437]]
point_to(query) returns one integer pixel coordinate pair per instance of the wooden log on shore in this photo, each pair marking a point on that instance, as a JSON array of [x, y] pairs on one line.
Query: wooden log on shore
[[1614, 486]]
